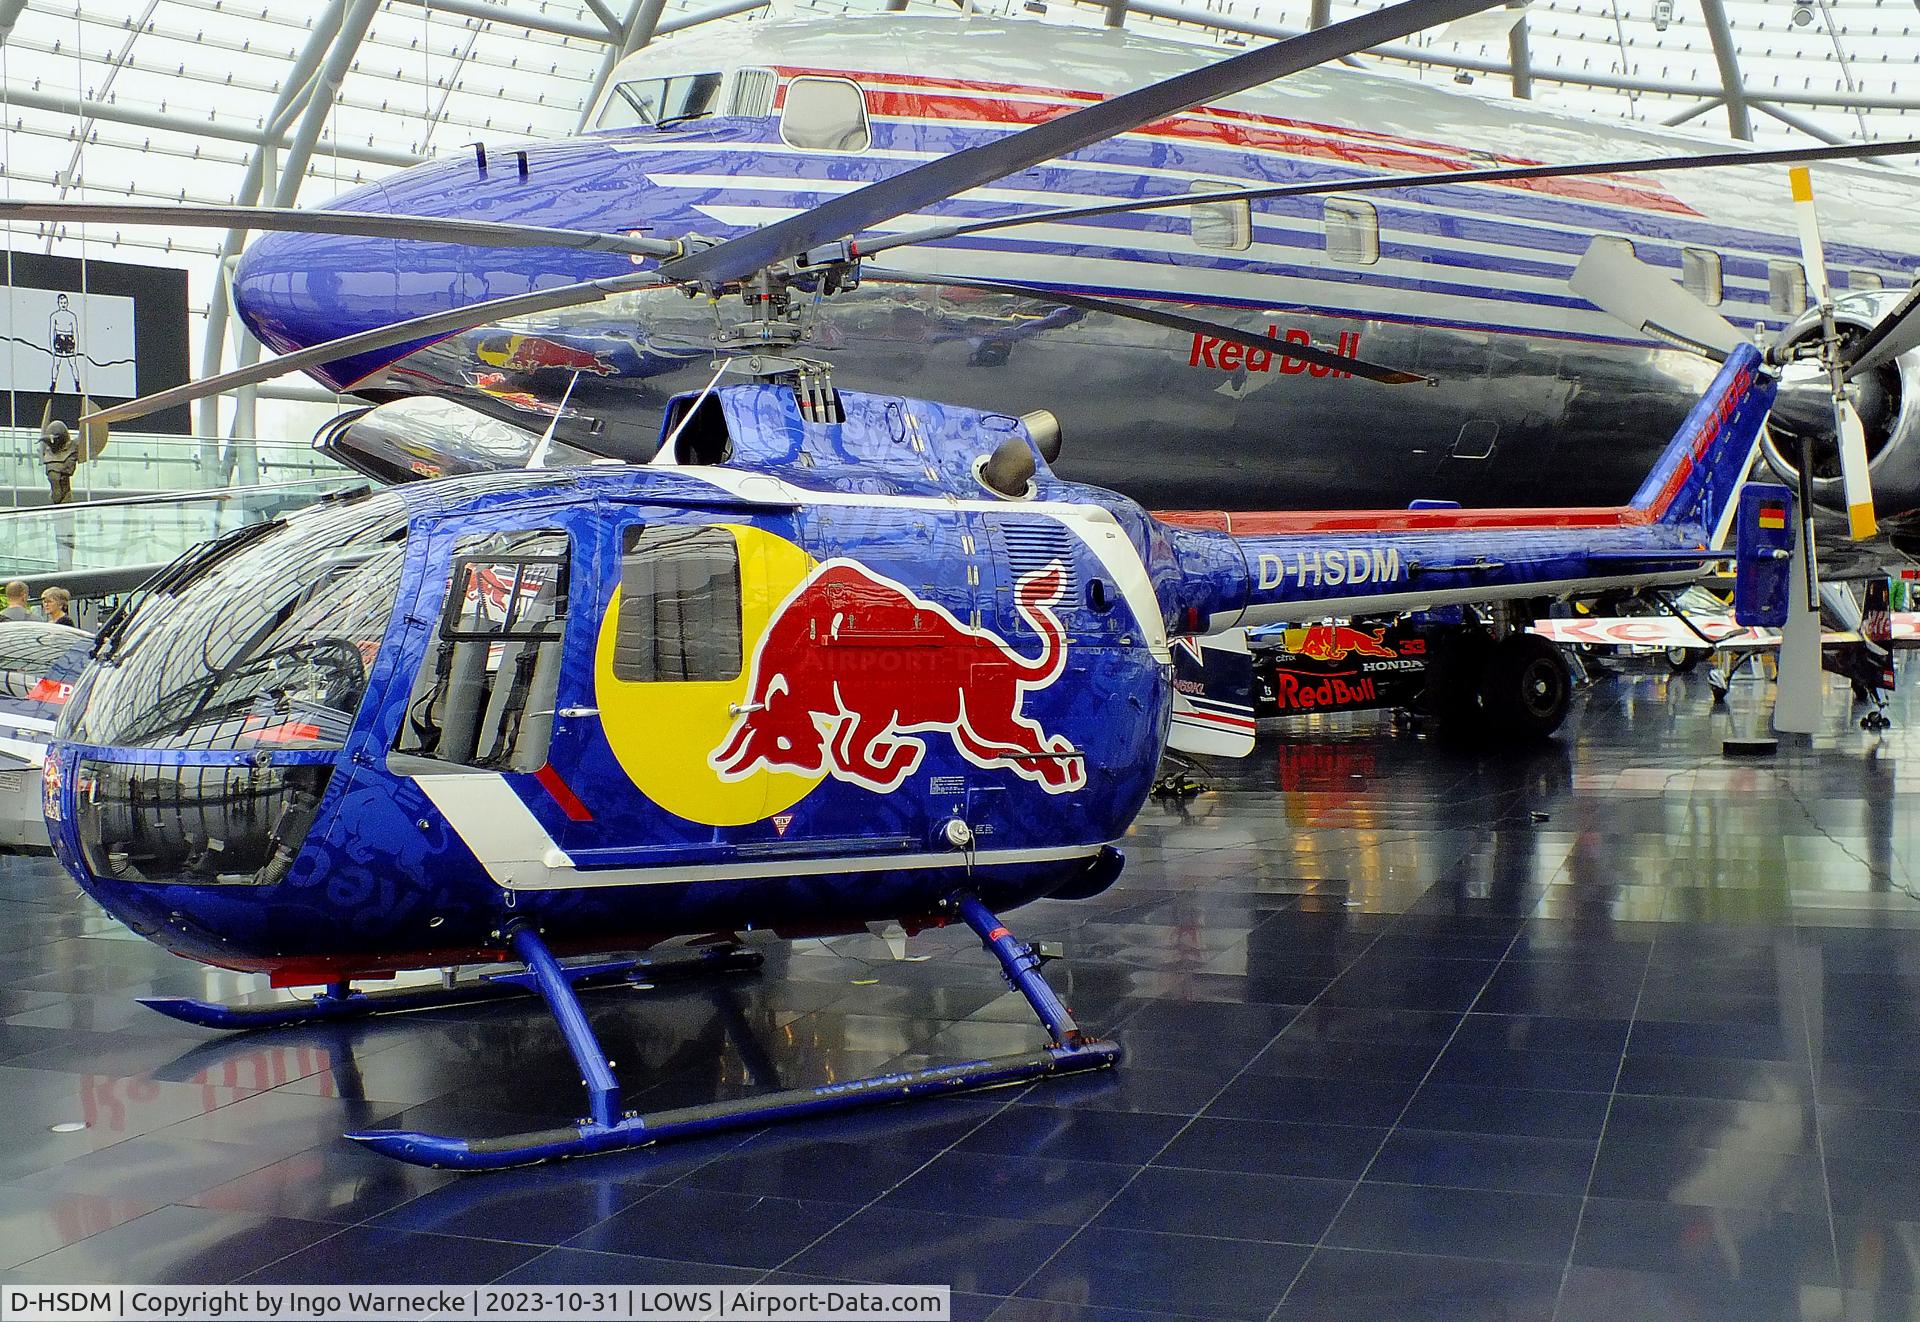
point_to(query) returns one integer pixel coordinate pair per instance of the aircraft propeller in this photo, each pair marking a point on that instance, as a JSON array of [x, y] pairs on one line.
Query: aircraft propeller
[[1848, 429], [1611, 278]]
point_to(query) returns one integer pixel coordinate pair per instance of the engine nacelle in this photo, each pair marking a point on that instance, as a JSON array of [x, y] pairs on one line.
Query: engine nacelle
[[1888, 399]]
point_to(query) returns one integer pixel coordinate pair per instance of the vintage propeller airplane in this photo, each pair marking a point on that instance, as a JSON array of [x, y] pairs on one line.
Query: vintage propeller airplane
[[1347, 219]]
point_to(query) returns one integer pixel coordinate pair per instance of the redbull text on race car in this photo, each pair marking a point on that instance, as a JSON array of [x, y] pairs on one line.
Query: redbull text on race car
[[852, 662]]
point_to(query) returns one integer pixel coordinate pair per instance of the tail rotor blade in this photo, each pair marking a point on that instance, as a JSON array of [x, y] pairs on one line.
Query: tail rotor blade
[[1612, 279]]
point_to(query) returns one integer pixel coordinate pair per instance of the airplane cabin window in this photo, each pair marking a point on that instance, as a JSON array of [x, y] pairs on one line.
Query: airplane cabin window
[[1225, 226], [1786, 288], [660, 101], [485, 693], [825, 114], [1700, 275], [1353, 232], [679, 605], [1865, 280]]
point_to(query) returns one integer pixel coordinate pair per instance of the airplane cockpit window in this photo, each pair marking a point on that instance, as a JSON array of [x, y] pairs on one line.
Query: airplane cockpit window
[[1700, 275], [484, 696], [1225, 226], [679, 616], [262, 639], [1786, 288], [1353, 232], [825, 114], [658, 102]]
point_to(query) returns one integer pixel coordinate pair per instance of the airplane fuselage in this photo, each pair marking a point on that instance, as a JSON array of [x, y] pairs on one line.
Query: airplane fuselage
[[1538, 391]]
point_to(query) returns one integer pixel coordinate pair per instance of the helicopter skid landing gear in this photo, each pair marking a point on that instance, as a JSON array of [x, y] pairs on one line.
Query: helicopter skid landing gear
[[339, 1001], [609, 1127]]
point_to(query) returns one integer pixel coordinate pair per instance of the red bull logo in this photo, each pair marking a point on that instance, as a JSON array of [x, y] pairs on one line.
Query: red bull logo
[[852, 665], [1331, 642]]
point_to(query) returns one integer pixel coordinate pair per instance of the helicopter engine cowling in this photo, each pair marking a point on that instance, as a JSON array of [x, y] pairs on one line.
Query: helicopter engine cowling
[[1888, 400]]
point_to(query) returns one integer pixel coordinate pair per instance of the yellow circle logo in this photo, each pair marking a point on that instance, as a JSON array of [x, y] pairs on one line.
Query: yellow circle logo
[[663, 733]]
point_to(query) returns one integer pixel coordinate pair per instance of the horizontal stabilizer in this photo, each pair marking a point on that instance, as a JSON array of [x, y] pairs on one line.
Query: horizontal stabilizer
[[1212, 695]]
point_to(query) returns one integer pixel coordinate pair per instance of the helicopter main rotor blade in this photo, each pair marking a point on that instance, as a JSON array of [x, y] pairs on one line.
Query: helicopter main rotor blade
[[1493, 175], [1307, 353], [937, 180], [1620, 284], [450, 322], [373, 224], [1890, 337]]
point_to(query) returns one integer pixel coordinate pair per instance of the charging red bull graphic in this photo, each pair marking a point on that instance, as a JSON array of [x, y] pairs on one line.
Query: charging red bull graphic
[[852, 663], [1330, 642]]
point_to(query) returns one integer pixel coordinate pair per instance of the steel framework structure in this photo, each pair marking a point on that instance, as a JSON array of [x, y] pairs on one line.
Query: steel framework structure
[[289, 101]]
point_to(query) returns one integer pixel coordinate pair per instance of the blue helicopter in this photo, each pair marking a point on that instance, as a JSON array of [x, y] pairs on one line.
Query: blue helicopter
[[829, 660]]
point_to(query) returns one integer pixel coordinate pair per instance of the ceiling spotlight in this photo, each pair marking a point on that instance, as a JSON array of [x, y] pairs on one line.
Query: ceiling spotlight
[[1802, 15], [1465, 79], [1663, 14]]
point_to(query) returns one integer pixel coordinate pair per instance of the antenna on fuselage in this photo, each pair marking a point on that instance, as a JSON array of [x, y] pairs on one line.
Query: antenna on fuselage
[[538, 459]]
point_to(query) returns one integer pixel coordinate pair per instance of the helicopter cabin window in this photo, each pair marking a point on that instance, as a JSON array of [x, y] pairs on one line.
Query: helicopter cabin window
[[825, 114], [1858, 280], [1786, 288], [1223, 226], [485, 693], [679, 617], [656, 102], [1700, 275], [1353, 232]]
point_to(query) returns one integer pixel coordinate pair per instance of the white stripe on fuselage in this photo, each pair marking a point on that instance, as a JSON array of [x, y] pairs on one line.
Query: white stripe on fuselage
[[519, 854]]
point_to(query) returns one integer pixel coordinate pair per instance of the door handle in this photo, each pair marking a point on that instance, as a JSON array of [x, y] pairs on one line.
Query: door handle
[[577, 711], [740, 709]]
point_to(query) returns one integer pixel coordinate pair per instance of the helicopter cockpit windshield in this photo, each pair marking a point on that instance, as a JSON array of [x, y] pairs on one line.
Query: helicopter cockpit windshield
[[266, 647]]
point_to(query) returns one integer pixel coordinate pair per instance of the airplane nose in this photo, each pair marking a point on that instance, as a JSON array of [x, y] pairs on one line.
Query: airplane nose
[[294, 290]]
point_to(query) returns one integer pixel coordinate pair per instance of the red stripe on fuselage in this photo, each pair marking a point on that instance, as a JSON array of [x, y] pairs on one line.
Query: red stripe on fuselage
[[563, 794], [1023, 106], [1306, 522]]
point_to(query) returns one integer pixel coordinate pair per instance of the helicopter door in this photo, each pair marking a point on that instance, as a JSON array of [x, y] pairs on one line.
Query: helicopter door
[[655, 729]]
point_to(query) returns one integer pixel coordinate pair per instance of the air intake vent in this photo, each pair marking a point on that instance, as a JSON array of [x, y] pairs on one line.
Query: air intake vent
[[753, 92], [1031, 544]]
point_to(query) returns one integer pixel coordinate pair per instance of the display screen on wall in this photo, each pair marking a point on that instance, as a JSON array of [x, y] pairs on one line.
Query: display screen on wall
[[105, 331]]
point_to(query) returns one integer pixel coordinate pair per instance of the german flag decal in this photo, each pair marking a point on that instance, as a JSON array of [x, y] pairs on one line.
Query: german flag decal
[[1773, 517]]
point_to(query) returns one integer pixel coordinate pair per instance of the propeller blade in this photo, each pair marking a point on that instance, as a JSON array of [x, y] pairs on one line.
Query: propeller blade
[[1849, 432], [1854, 477], [1892, 336], [1374, 183], [1807, 216], [1612, 279], [450, 322], [937, 180], [1307, 353], [380, 225]]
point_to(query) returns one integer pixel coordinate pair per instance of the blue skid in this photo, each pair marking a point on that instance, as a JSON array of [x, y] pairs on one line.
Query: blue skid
[[609, 1128], [339, 1001]]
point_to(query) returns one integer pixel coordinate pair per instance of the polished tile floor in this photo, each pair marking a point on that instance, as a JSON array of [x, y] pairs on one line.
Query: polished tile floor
[[1619, 1029]]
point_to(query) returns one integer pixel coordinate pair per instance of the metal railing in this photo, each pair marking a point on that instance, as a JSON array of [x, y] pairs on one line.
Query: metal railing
[[83, 539], [136, 463]]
